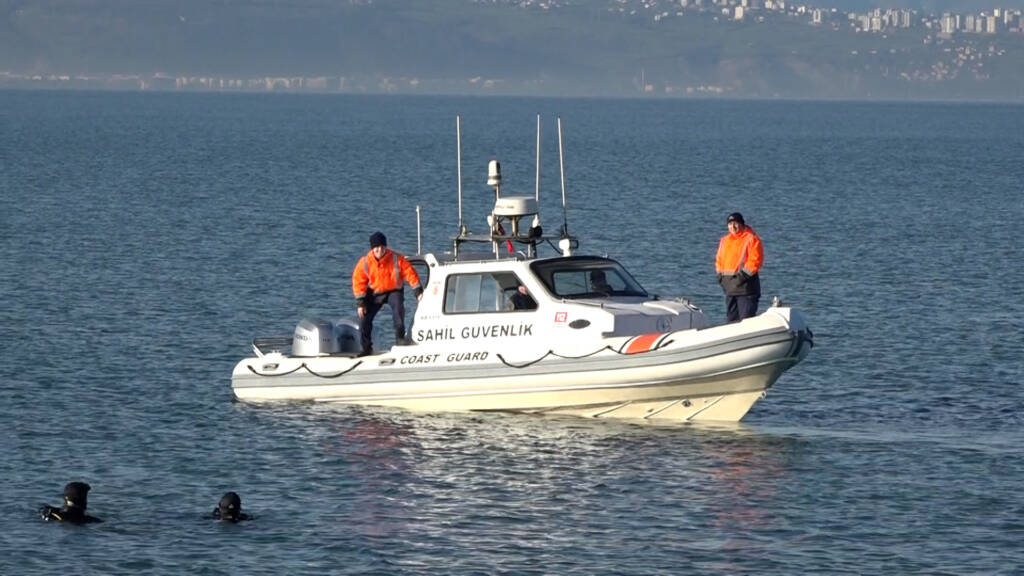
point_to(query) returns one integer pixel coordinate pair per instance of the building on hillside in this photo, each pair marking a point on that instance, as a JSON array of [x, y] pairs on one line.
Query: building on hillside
[[947, 25], [990, 24]]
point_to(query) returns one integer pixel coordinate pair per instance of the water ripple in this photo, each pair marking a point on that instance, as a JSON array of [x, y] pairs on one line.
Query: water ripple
[[149, 237]]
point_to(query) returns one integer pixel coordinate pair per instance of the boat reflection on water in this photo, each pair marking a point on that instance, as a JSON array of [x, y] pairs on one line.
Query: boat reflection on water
[[748, 475], [543, 483]]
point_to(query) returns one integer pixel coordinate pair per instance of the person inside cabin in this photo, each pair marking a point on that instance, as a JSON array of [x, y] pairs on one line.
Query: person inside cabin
[[521, 299], [738, 261], [229, 509], [376, 281], [73, 511], [599, 283]]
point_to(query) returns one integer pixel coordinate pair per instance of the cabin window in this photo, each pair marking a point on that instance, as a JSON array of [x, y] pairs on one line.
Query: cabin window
[[587, 278], [486, 292]]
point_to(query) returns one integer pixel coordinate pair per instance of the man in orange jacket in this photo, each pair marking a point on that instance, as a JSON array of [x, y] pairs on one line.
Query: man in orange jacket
[[738, 261], [376, 280]]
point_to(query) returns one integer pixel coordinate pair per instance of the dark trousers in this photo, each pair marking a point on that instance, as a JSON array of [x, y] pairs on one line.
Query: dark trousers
[[374, 303], [739, 307]]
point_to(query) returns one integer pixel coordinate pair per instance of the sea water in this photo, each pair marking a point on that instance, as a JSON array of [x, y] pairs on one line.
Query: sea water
[[145, 239]]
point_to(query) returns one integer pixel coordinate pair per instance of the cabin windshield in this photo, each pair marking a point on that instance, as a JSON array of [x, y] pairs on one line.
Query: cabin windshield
[[586, 277]]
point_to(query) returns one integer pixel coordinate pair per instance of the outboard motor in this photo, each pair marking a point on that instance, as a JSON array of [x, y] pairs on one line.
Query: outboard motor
[[314, 337], [346, 332]]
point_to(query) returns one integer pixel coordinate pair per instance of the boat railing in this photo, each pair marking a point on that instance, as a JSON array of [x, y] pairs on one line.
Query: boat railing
[[502, 245], [266, 345], [478, 256]]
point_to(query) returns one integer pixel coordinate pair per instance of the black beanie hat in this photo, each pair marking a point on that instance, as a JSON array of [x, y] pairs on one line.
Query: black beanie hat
[[230, 504], [77, 494], [378, 239], [735, 217]]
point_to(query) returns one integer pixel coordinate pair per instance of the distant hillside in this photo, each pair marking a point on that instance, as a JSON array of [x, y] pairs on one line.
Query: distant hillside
[[598, 47], [933, 6]]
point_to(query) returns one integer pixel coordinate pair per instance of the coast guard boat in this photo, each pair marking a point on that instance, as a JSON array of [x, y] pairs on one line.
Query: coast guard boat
[[511, 330]]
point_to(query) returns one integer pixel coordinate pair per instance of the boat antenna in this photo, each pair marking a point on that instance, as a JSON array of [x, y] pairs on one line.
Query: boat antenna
[[458, 146], [535, 230], [536, 195], [561, 169], [419, 232]]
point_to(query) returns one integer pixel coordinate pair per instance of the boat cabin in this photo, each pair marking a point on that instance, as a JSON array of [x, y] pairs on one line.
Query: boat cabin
[[536, 303]]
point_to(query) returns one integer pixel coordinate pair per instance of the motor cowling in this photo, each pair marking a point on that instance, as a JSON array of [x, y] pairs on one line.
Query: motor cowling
[[346, 333], [314, 337]]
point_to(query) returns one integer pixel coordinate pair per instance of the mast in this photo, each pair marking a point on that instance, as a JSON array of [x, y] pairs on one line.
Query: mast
[[458, 152], [536, 193], [561, 170]]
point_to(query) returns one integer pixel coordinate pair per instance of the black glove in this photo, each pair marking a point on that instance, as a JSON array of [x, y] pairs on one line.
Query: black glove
[[361, 302], [46, 513], [417, 291]]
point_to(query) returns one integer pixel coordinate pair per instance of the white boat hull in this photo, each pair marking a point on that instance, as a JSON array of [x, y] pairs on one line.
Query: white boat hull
[[715, 374]]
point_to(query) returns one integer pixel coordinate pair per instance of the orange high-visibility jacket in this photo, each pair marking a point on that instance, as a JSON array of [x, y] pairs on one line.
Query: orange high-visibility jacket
[[384, 275], [739, 252]]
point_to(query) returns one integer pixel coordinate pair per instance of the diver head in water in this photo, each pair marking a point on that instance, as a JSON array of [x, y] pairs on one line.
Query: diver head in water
[[76, 500], [229, 509]]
